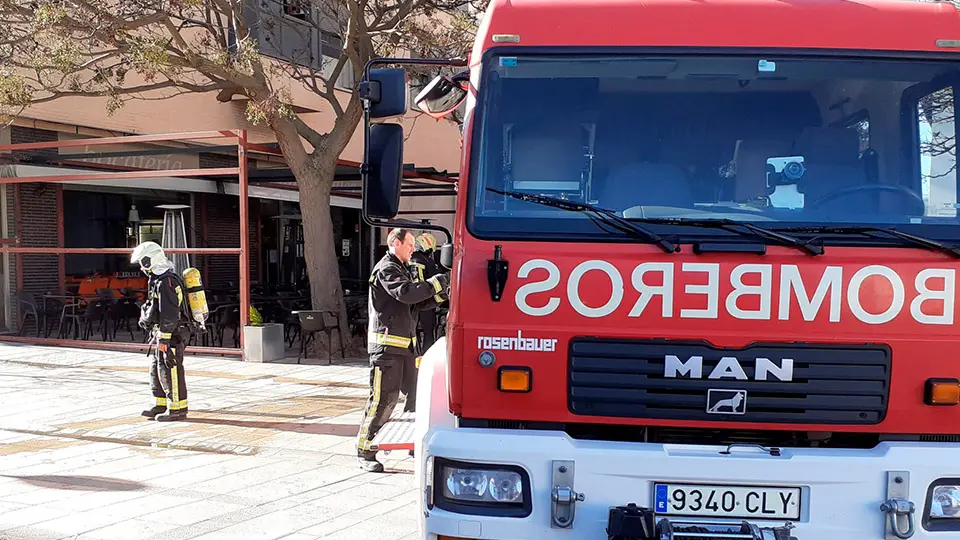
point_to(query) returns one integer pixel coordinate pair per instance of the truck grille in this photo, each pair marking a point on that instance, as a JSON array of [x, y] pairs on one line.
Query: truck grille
[[830, 384]]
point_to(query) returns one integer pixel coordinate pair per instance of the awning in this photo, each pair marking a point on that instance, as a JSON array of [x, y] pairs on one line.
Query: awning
[[167, 183]]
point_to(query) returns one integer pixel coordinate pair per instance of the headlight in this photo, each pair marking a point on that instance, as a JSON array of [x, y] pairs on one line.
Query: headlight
[[945, 502], [482, 489]]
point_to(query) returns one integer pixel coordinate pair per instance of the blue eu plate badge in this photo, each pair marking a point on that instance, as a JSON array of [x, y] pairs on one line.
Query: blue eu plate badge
[[660, 498]]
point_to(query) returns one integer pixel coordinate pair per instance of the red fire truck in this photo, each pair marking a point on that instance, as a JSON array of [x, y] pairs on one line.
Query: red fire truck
[[704, 272]]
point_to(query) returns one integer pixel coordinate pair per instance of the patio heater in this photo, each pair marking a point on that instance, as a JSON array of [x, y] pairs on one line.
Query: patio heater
[[175, 234]]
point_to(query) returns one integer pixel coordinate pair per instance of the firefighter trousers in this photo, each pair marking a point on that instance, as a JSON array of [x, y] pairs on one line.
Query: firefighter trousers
[[428, 323], [386, 378], [408, 383], [167, 380]]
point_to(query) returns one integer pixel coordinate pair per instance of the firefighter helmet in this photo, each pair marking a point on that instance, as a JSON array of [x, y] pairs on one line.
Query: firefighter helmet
[[426, 242], [150, 256]]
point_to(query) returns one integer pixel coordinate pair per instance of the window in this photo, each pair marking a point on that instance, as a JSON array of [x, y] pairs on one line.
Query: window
[[745, 138], [330, 44], [938, 152], [298, 9]]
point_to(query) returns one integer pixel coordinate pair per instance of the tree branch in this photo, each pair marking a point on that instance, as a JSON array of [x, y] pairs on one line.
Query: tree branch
[[57, 94]]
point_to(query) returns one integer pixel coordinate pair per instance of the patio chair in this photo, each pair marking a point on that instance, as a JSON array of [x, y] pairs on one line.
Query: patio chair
[[314, 322], [27, 303]]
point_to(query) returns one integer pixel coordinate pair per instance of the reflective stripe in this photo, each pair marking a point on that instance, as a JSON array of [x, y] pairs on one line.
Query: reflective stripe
[[175, 383], [436, 284], [391, 341], [166, 335], [161, 402], [178, 405], [362, 443], [419, 270]]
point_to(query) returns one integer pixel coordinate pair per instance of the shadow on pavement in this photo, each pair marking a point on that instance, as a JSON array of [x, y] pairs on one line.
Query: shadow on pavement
[[79, 483], [341, 430]]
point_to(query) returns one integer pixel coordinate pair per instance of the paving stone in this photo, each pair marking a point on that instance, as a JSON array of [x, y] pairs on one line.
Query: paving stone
[[267, 453]]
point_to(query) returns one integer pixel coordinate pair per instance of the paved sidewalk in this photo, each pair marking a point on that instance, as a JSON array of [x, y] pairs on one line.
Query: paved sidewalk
[[268, 453]]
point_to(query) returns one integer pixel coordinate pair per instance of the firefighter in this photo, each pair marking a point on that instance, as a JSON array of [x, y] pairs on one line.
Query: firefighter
[[425, 267], [164, 313], [395, 298]]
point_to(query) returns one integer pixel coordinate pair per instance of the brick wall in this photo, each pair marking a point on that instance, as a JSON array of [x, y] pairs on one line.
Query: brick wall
[[20, 135], [220, 161], [216, 161], [38, 214]]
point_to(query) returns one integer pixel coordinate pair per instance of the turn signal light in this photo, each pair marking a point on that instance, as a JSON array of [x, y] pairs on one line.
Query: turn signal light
[[515, 379], [942, 392]]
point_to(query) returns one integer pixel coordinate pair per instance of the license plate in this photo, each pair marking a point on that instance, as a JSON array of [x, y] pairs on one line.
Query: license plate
[[700, 500]]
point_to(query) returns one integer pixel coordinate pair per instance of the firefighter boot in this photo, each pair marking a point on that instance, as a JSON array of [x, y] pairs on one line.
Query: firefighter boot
[[171, 416], [152, 413], [368, 462]]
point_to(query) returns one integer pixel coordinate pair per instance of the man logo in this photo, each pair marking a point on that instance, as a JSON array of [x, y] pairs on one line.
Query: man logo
[[726, 401]]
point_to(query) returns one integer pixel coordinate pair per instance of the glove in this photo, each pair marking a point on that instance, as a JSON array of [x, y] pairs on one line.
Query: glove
[[163, 348], [443, 280]]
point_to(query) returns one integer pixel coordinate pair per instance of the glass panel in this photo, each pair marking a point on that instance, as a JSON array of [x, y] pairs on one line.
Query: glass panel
[[938, 153], [780, 141]]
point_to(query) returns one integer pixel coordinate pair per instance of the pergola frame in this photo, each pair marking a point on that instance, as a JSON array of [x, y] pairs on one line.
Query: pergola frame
[[13, 245]]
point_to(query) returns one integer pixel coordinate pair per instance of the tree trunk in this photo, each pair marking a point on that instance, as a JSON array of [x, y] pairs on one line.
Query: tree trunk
[[320, 251], [315, 174]]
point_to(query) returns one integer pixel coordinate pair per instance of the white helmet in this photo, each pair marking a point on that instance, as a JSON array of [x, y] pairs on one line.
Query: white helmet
[[150, 257]]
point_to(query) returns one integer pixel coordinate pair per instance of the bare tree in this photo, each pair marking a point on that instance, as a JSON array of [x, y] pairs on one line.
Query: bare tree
[[142, 49], [937, 110]]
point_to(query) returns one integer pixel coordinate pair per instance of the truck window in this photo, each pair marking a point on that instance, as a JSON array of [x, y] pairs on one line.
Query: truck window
[[739, 137], [938, 152]]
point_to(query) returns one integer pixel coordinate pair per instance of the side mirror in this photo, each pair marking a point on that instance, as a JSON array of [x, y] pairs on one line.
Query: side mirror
[[446, 256], [381, 186], [387, 92], [442, 96]]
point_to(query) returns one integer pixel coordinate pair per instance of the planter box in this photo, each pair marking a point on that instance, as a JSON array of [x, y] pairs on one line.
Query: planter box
[[263, 343]]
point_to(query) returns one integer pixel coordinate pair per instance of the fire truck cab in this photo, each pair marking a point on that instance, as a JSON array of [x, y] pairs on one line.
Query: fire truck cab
[[703, 272]]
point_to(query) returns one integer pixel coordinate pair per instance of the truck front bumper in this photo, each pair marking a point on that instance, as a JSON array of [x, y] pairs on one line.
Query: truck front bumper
[[842, 491]]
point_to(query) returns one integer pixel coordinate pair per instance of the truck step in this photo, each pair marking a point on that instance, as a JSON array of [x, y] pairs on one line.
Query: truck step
[[396, 434]]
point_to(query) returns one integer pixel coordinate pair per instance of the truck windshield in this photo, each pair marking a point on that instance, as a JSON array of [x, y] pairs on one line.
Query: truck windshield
[[782, 142]]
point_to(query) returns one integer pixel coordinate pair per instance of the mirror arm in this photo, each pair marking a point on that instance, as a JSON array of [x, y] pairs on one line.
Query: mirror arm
[[452, 62], [391, 223]]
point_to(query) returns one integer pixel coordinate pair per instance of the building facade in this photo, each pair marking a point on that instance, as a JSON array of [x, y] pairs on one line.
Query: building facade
[[101, 213]]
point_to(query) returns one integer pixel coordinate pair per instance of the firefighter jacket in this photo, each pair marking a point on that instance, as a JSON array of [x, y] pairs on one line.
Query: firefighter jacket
[[165, 305], [395, 300], [424, 264]]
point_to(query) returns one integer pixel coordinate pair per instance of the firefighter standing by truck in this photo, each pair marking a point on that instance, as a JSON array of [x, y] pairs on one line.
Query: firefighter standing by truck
[[395, 299], [424, 267], [167, 314]]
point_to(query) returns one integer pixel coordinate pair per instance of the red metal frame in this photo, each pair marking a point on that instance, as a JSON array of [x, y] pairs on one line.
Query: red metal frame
[[241, 170]]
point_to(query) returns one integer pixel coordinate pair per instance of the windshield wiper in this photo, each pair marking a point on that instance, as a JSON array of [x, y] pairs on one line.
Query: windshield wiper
[[920, 241], [728, 225], [601, 217]]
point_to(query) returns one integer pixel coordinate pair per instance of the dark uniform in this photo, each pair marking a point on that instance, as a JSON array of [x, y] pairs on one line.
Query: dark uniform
[[424, 268], [395, 299], [164, 312]]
